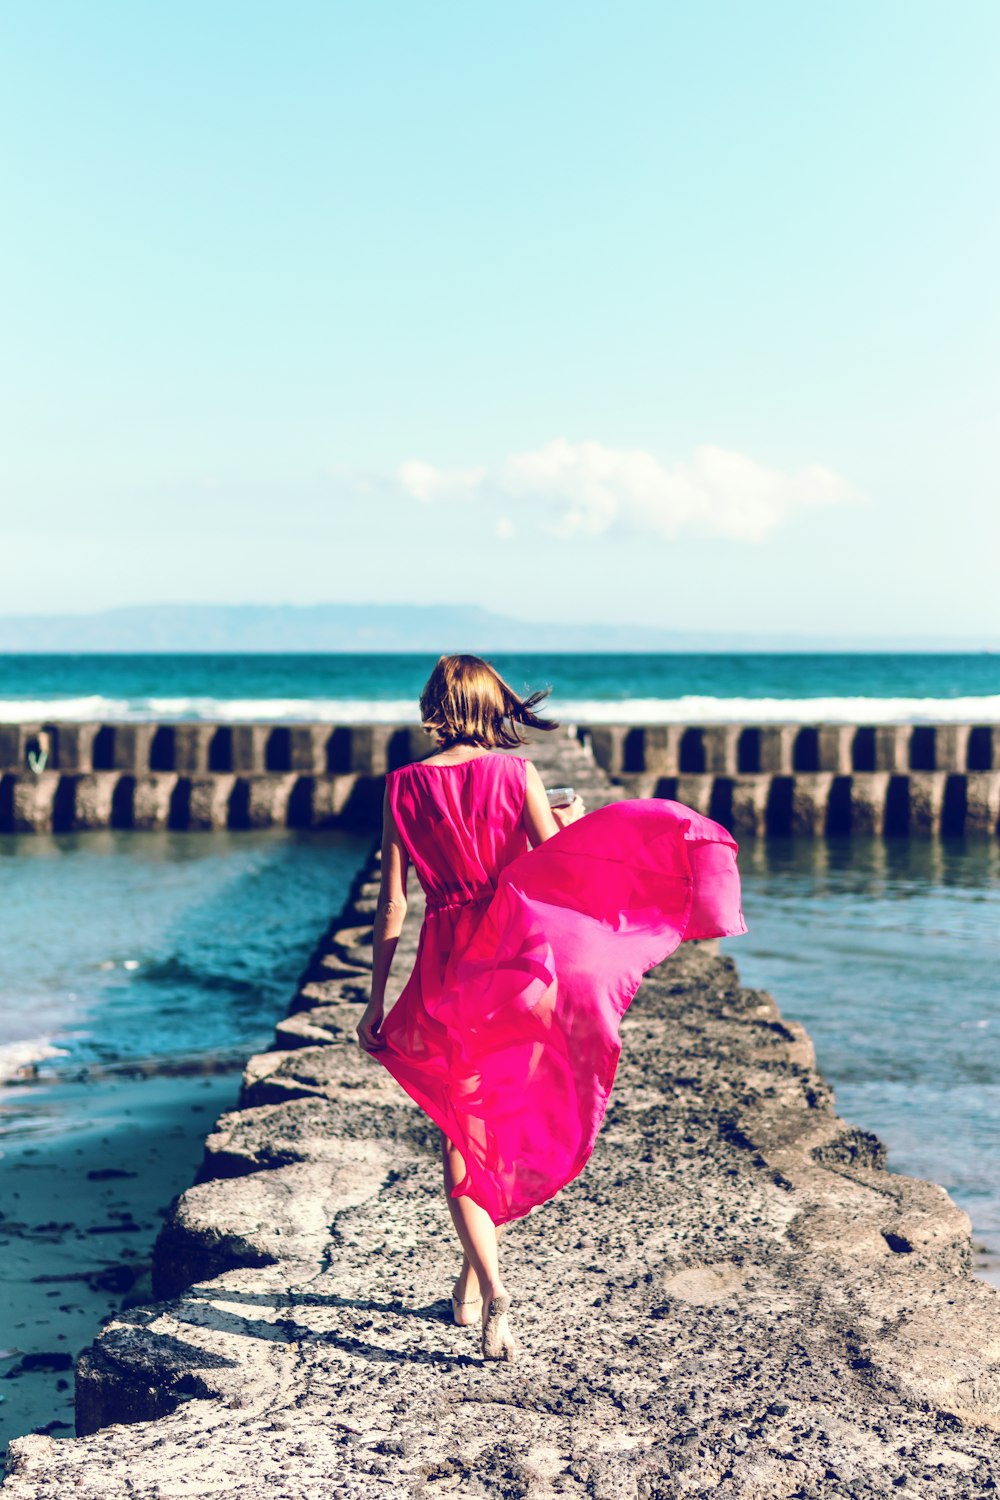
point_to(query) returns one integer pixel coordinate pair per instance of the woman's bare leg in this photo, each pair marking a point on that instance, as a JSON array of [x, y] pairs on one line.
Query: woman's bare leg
[[480, 1273], [467, 1289]]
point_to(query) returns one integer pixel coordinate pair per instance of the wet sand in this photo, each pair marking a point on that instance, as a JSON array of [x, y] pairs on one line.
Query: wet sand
[[80, 1214]]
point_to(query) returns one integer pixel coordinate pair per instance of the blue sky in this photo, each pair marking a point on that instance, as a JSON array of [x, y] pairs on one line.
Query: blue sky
[[677, 313]]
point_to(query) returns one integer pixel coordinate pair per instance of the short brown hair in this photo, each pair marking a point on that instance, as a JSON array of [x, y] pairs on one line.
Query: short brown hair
[[466, 699]]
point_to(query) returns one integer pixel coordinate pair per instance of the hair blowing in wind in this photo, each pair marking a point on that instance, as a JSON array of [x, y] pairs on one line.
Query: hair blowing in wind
[[466, 699]]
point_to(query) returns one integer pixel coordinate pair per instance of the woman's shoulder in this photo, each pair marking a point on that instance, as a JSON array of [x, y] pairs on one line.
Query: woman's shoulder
[[504, 756], [431, 760]]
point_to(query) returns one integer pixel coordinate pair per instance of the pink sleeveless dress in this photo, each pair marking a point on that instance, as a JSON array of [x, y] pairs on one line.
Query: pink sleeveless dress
[[506, 1031]]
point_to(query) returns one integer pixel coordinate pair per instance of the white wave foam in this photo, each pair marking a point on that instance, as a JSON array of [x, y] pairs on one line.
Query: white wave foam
[[32, 710], [703, 710], [17, 1055], [689, 709], [224, 710]]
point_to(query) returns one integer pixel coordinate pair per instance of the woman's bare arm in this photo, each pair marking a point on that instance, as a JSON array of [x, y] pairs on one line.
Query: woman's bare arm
[[541, 821], [388, 924]]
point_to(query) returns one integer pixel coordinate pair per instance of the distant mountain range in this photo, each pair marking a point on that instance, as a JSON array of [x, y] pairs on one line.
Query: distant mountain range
[[395, 628]]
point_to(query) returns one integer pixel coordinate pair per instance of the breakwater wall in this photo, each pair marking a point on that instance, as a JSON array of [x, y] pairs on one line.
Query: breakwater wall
[[810, 779], [735, 1299], [202, 775]]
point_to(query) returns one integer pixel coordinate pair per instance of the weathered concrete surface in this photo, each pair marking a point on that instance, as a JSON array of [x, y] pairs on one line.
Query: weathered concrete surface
[[807, 779], [735, 1298]]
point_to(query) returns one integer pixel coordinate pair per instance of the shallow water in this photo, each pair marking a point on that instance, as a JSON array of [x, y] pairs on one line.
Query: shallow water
[[888, 952], [119, 946], [138, 971]]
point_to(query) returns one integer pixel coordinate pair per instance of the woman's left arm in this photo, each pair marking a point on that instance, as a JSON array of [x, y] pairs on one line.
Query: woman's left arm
[[539, 820], [387, 926]]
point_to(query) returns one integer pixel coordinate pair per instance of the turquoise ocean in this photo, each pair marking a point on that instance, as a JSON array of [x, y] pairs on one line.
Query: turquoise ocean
[[867, 687], [129, 960]]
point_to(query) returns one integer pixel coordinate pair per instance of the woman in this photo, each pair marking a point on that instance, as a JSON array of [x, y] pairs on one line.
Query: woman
[[539, 926]]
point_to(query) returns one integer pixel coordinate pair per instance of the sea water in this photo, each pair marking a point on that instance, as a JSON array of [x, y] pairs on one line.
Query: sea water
[[640, 687], [888, 952], [127, 948], [138, 971]]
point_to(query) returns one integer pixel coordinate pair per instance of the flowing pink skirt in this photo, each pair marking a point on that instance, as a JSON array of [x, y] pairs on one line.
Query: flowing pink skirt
[[507, 1031]]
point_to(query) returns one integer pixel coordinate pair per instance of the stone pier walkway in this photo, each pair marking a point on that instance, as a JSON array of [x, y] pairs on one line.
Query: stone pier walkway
[[735, 1299]]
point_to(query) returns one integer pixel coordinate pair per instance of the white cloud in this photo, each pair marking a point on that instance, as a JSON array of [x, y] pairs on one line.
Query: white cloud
[[587, 489], [424, 482], [505, 527]]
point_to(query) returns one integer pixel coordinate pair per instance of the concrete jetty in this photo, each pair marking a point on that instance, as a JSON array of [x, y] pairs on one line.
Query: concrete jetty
[[736, 1298], [805, 779]]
